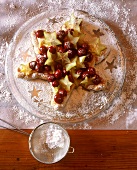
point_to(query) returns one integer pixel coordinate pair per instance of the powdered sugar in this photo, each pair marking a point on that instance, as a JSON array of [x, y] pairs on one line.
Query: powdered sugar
[[118, 15], [55, 137], [80, 105]]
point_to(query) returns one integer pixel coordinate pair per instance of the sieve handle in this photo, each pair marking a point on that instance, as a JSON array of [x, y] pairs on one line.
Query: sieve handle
[[17, 129], [71, 149]]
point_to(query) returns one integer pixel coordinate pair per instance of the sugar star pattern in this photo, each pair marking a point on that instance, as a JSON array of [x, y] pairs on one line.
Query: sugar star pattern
[[110, 66], [34, 92]]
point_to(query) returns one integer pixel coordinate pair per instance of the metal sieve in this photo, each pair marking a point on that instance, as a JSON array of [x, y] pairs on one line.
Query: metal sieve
[[44, 148], [48, 142]]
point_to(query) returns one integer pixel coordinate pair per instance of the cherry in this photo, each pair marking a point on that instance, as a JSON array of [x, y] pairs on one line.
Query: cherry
[[39, 34], [43, 50], [52, 49], [55, 83], [68, 45], [51, 77], [32, 65], [91, 71], [70, 77], [85, 74], [60, 49], [82, 51], [65, 72], [39, 68], [58, 66], [62, 92], [47, 68], [97, 80], [79, 71], [85, 46], [89, 57], [41, 60], [45, 55], [58, 98], [78, 45], [86, 64], [61, 35], [71, 53], [58, 74]]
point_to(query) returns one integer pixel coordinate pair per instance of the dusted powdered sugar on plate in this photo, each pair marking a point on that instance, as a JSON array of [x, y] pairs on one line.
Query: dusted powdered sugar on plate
[[35, 95]]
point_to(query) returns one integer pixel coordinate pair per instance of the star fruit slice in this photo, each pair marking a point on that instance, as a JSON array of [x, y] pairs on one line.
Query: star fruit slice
[[80, 62], [51, 60], [51, 39], [86, 82], [73, 23], [65, 83], [63, 57], [72, 64], [97, 47], [24, 68], [73, 39]]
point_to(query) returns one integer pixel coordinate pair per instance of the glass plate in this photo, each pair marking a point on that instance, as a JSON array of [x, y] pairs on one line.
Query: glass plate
[[35, 95]]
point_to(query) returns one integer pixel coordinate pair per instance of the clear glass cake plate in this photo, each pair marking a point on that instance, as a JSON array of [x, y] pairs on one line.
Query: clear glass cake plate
[[35, 95]]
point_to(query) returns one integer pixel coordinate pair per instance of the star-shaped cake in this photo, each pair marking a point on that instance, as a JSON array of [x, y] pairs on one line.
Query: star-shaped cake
[[65, 62]]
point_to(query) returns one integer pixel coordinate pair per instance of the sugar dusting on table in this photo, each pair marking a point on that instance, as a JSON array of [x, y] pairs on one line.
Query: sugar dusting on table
[[116, 16]]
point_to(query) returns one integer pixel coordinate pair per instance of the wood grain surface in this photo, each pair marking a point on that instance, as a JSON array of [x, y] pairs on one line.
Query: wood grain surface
[[93, 150]]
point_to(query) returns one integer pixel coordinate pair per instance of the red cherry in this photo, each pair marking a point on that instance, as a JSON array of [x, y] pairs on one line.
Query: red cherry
[[70, 77], [58, 74], [39, 68], [85, 74], [62, 92], [32, 65], [86, 64], [58, 98], [82, 51], [85, 46], [58, 66], [51, 77], [55, 83], [43, 50], [60, 49], [45, 55], [68, 45], [91, 71], [61, 35], [52, 49], [47, 68], [65, 72], [71, 53], [41, 60], [89, 57], [79, 72], [39, 33], [97, 80]]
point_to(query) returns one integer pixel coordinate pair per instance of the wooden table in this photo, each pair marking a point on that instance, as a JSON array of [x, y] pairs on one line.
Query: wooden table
[[93, 150]]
